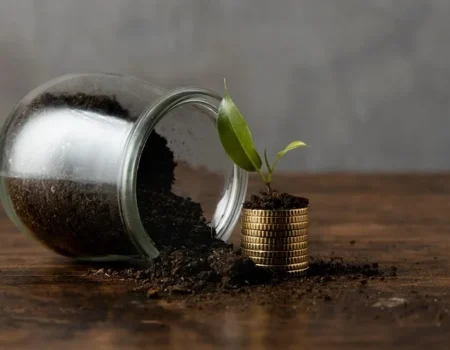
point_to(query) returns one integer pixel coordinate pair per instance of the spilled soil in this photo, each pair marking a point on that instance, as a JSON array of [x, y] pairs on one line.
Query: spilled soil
[[207, 278]]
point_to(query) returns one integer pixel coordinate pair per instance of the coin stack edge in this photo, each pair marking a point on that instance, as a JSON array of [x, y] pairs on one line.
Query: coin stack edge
[[276, 239]]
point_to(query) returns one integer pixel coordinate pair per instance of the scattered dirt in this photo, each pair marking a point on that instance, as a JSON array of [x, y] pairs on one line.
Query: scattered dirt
[[336, 266], [276, 201], [193, 270], [219, 271]]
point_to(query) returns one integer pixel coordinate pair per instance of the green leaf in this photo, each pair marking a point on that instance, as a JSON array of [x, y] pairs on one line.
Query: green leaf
[[290, 147], [269, 169], [235, 136]]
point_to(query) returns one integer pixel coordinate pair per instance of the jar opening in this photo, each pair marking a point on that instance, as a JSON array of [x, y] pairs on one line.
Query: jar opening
[[152, 158]]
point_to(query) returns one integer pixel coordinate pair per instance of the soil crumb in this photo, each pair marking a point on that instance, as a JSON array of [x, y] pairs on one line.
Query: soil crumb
[[336, 266], [275, 201]]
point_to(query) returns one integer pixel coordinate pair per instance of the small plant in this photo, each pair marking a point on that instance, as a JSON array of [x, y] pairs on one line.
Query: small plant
[[237, 141]]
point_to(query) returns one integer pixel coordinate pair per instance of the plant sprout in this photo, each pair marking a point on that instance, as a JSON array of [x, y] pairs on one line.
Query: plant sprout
[[237, 141]]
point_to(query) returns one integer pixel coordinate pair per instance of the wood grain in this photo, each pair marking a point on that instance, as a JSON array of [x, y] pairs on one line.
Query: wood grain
[[403, 220]]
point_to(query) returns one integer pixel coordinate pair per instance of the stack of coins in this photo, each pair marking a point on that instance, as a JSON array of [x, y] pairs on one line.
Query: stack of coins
[[276, 239]]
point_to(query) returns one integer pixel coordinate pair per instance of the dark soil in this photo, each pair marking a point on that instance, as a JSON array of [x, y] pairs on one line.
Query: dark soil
[[173, 221], [337, 266], [193, 270], [73, 219], [81, 219], [104, 104], [219, 270], [275, 201]]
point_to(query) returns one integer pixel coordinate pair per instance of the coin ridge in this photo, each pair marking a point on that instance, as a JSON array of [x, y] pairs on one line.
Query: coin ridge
[[274, 213], [275, 227], [275, 254], [274, 234], [274, 240], [274, 220], [279, 261], [274, 246], [286, 267], [297, 273]]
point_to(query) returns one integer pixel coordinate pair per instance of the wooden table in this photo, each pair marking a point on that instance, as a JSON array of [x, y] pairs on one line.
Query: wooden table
[[46, 302]]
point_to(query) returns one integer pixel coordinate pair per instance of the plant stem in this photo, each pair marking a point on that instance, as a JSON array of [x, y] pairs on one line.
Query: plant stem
[[267, 181], [262, 176]]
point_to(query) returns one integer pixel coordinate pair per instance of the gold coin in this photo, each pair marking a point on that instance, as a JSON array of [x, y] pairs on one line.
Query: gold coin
[[287, 267], [275, 220], [274, 246], [286, 240], [274, 213], [279, 260], [274, 227], [275, 253], [274, 234], [297, 273]]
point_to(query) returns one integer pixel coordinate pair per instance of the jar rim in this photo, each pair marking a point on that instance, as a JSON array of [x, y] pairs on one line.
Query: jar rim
[[134, 145]]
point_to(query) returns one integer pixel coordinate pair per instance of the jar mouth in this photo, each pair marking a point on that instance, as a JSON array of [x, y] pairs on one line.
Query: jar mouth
[[228, 209]]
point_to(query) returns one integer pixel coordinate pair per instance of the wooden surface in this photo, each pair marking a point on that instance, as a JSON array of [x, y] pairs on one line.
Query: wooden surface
[[47, 303]]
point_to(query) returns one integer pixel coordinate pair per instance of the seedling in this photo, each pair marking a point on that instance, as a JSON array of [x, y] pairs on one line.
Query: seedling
[[237, 141]]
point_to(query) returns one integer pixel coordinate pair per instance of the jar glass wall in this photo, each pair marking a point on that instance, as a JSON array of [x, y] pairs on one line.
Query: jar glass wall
[[80, 154]]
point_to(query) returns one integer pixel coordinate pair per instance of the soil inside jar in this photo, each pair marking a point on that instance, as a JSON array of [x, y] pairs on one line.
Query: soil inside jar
[[80, 219]]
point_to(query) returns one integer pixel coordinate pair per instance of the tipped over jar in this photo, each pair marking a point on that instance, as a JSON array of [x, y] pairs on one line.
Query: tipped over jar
[[107, 167]]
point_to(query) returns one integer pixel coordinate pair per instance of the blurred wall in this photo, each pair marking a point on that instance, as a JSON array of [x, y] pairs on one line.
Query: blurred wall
[[366, 83]]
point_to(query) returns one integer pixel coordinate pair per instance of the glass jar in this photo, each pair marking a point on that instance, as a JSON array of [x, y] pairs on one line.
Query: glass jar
[[76, 152]]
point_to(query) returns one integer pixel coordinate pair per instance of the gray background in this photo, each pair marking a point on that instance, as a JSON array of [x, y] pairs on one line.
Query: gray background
[[366, 83]]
